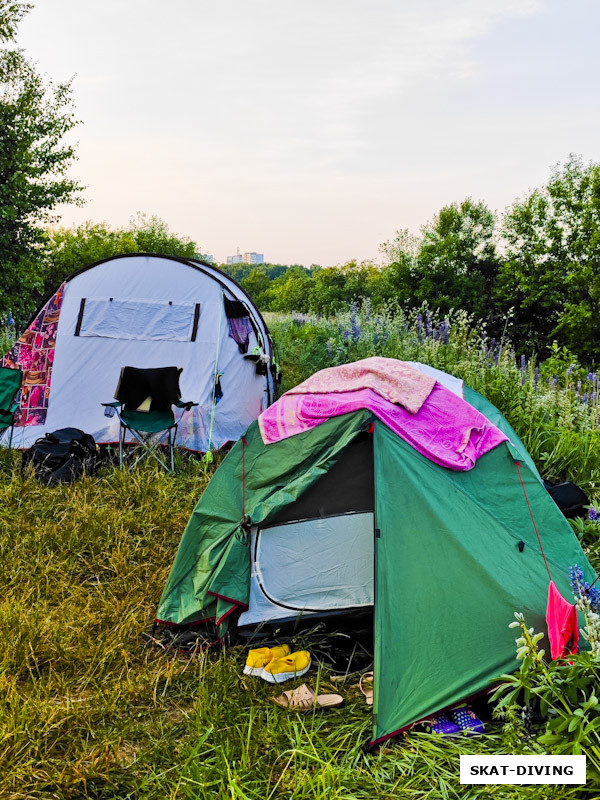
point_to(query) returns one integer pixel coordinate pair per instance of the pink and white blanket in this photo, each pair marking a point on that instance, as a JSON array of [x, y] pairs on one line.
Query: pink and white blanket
[[445, 429]]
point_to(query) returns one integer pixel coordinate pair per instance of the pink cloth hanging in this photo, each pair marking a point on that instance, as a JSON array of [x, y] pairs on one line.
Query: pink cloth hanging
[[561, 618]]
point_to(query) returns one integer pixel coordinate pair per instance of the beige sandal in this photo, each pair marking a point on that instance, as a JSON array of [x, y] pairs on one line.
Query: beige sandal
[[366, 687], [304, 698]]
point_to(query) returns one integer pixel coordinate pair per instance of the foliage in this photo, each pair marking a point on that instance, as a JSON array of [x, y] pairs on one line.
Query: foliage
[[35, 117], [70, 249], [564, 691], [11, 13], [453, 265], [552, 271]]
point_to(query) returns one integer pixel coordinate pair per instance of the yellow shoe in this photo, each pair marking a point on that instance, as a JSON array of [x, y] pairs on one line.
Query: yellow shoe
[[261, 656], [282, 669]]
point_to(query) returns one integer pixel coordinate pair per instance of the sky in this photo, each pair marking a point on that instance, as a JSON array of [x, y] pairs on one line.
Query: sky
[[311, 131]]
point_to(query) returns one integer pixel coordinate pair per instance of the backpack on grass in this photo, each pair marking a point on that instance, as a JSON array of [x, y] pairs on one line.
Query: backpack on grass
[[62, 456]]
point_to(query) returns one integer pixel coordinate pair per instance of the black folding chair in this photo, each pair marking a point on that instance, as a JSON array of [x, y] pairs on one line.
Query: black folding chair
[[144, 401]]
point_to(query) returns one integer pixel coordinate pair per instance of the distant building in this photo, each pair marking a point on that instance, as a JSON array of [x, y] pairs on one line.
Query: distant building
[[247, 258], [254, 258]]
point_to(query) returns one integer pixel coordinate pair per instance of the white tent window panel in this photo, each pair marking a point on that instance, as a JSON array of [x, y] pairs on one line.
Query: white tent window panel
[[317, 565], [148, 320]]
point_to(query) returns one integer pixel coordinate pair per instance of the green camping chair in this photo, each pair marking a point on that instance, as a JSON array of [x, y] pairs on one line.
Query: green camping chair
[[144, 404], [10, 383]]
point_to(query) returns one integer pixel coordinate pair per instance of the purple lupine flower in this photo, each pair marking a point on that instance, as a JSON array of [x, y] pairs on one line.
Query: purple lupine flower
[[536, 376], [594, 595], [356, 330], [594, 397], [329, 350], [523, 362], [570, 369], [593, 513], [581, 587], [592, 378], [429, 324], [420, 326], [577, 579], [375, 338], [346, 334], [446, 331], [555, 381], [585, 398]]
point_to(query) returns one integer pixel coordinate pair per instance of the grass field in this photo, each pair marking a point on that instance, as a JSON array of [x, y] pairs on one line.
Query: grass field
[[90, 710]]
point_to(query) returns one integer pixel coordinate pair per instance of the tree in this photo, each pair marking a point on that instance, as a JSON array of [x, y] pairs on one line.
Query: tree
[[257, 284], [35, 116], [290, 292], [552, 270], [453, 265], [69, 249]]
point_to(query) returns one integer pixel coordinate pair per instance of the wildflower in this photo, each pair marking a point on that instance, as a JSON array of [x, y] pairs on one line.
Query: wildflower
[[329, 349], [577, 579], [593, 513], [587, 597], [346, 334], [429, 324], [356, 330], [536, 376], [445, 331], [592, 378], [375, 338], [523, 362], [554, 381], [570, 369]]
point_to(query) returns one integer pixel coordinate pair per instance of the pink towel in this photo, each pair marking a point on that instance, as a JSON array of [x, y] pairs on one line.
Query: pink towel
[[446, 430], [561, 618], [390, 378]]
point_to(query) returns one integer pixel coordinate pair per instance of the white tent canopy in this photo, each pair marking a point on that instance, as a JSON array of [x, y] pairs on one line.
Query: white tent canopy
[[142, 311]]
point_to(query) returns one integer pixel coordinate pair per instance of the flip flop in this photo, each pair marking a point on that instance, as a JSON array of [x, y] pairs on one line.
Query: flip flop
[[304, 698], [366, 686]]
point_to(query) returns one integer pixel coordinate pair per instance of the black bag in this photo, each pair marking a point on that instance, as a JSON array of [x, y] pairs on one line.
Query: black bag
[[571, 500], [61, 456]]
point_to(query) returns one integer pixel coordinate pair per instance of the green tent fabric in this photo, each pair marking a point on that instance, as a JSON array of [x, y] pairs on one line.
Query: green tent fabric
[[451, 575], [210, 577], [455, 555]]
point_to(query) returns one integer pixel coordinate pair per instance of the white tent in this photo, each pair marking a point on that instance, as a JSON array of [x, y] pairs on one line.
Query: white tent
[[144, 311]]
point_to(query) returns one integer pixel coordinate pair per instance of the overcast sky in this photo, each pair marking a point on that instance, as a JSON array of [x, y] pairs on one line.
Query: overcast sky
[[310, 130]]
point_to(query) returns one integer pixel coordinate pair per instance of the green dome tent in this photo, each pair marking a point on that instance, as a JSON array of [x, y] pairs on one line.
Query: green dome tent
[[445, 557]]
